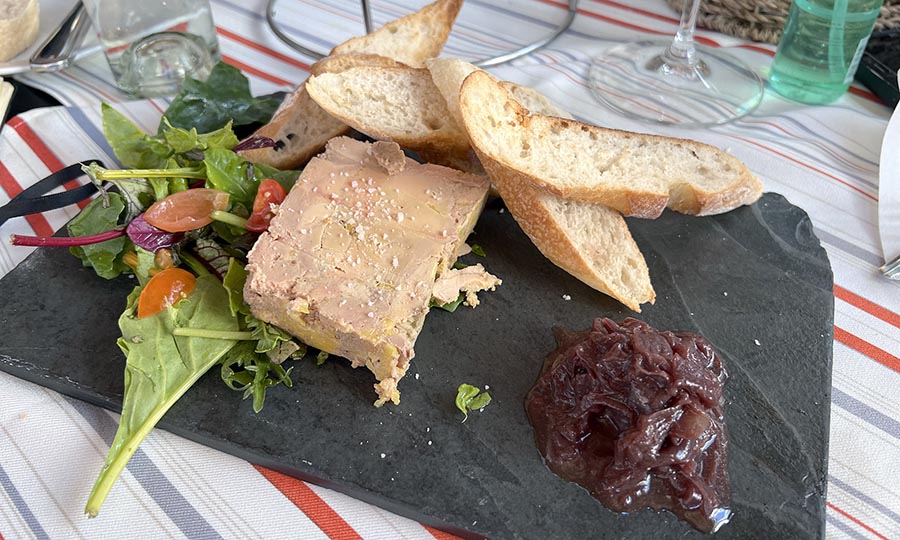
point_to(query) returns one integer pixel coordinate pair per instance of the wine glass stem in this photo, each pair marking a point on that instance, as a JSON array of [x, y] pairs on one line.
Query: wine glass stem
[[682, 50]]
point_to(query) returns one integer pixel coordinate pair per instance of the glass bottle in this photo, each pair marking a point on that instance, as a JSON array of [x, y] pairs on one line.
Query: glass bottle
[[820, 48]]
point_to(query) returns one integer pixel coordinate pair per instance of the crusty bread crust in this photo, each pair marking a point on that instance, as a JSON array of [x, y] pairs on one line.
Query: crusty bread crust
[[529, 206], [411, 39], [342, 62], [496, 115]]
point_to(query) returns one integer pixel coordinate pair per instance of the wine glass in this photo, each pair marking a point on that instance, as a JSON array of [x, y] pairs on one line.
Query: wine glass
[[675, 82]]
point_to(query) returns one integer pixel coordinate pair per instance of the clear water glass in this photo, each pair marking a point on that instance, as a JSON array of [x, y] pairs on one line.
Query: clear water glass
[[152, 45]]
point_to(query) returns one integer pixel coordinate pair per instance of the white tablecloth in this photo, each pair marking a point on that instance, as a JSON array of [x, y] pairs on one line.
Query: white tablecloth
[[823, 159]]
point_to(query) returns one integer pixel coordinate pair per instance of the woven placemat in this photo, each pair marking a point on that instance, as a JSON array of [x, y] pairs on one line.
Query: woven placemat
[[763, 20]]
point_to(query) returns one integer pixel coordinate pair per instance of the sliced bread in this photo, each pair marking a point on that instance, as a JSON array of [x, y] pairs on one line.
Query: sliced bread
[[636, 174], [19, 25], [411, 39], [300, 128], [400, 104], [448, 75], [588, 240]]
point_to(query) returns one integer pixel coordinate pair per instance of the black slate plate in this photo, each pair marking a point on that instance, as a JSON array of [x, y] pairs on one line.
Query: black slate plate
[[755, 282]]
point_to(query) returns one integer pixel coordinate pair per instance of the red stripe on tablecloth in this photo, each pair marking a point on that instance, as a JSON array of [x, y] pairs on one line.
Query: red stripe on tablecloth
[[259, 73], [644, 12], [42, 151], [878, 354], [808, 166], [262, 48], [855, 520], [311, 504], [436, 533], [12, 188], [698, 39], [868, 306]]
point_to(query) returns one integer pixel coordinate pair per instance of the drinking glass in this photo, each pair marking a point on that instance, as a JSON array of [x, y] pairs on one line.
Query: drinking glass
[[152, 45], [675, 82]]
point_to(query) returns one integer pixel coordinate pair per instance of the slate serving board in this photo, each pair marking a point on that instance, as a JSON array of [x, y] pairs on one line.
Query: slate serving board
[[755, 282]]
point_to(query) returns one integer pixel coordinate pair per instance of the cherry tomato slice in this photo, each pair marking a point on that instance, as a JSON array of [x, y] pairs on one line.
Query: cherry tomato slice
[[270, 192], [163, 289], [186, 210]]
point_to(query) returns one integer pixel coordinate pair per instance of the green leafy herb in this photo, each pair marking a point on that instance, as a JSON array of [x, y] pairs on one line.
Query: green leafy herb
[[97, 217], [227, 171], [450, 306], [321, 358], [233, 282], [255, 365], [287, 179], [160, 367], [470, 398], [478, 250], [134, 148], [224, 97], [244, 369], [182, 141], [146, 260]]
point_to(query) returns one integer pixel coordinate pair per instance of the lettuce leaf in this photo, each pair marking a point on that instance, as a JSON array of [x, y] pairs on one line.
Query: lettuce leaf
[[224, 97], [160, 367], [106, 257]]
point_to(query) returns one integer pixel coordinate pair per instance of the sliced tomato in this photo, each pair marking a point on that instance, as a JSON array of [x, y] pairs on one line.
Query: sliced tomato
[[270, 193], [165, 288], [186, 210]]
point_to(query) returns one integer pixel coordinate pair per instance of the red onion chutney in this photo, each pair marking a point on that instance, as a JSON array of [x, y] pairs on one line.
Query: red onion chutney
[[635, 416]]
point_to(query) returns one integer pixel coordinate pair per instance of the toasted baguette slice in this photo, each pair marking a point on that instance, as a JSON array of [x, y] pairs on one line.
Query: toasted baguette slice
[[300, 128], [588, 240], [399, 104], [411, 39], [634, 173]]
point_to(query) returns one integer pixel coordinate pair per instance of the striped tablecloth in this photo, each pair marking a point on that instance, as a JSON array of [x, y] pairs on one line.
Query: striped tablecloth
[[823, 159]]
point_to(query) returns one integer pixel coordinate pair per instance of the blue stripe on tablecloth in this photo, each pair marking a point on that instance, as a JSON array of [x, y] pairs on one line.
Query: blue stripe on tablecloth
[[843, 527], [90, 129], [176, 507], [849, 247], [861, 410], [840, 484], [21, 506]]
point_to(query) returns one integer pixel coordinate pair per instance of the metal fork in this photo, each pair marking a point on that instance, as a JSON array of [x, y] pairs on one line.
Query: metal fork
[[892, 269]]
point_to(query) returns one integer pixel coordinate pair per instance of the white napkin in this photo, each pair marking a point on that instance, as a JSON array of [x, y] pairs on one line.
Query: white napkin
[[889, 188]]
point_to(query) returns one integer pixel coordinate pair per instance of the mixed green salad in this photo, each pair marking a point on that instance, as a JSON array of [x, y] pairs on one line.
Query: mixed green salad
[[181, 217]]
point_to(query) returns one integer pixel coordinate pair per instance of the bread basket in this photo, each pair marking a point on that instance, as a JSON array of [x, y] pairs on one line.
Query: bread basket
[[763, 20]]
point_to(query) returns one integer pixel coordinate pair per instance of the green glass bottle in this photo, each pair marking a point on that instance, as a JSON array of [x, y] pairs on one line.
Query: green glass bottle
[[820, 48]]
